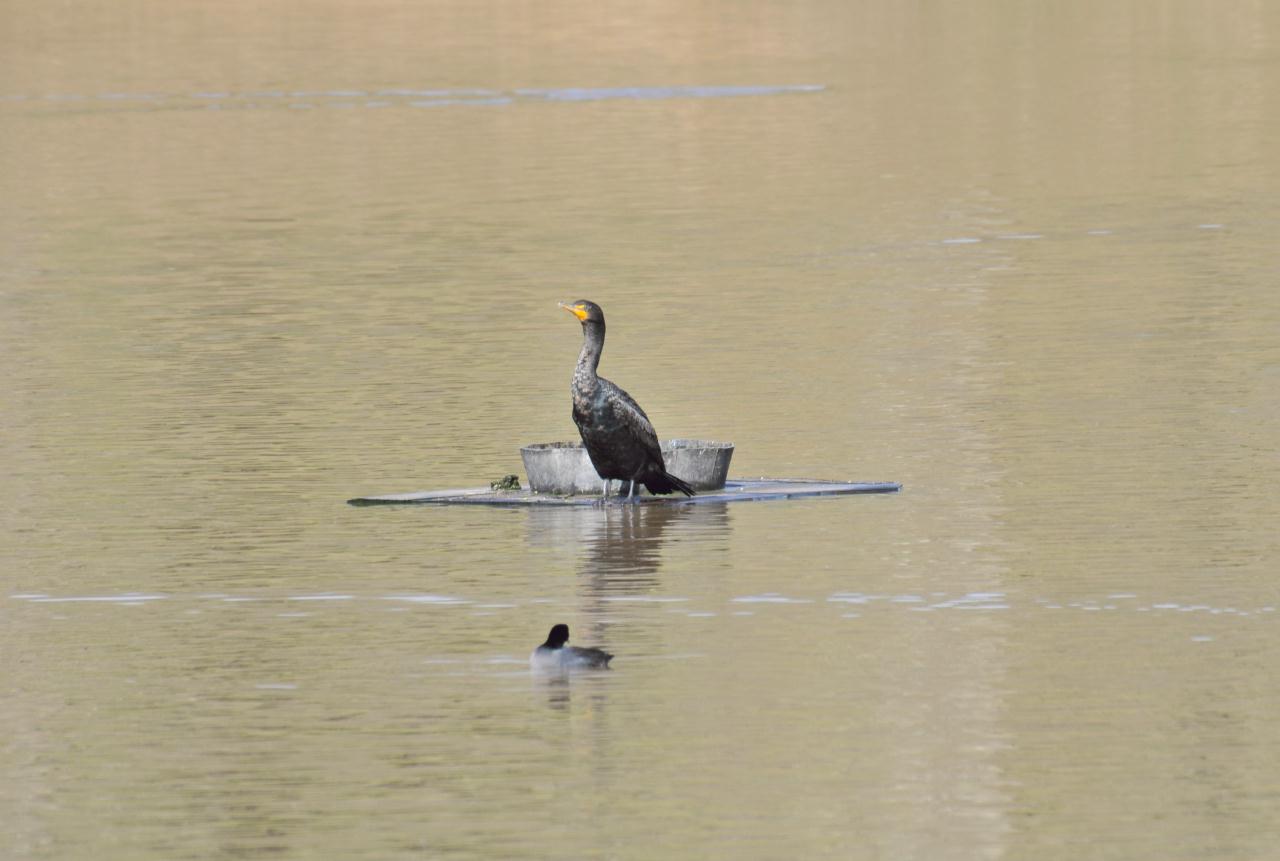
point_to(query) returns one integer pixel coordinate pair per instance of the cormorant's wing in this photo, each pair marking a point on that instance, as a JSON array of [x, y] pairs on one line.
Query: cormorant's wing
[[629, 412], [619, 396]]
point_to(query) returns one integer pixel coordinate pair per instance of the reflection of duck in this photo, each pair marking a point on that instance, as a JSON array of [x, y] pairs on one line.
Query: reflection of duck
[[555, 655], [617, 434]]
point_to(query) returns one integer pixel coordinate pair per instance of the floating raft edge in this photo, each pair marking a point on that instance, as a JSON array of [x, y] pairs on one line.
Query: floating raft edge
[[735, 490]]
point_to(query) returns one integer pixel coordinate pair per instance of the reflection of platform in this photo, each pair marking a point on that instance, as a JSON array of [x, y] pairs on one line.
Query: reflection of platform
[[735, 489]]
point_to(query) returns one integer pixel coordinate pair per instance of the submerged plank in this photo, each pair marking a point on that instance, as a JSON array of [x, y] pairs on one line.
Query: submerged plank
[[735, 490]]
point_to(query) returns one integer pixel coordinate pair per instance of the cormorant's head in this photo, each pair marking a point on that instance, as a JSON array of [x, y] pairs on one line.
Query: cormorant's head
[[558, 637], [586, 311]]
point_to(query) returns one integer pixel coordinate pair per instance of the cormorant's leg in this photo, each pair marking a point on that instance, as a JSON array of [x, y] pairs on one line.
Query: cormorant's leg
[[631, 491]]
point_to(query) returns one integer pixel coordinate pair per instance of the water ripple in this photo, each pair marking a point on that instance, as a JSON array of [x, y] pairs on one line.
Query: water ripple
[[424, 97]]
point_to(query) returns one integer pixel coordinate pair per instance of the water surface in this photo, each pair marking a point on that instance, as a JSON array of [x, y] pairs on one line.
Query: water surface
[[261, 261]]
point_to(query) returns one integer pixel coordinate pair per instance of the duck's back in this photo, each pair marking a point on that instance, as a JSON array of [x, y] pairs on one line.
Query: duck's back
[[569, 658], [592, 658]]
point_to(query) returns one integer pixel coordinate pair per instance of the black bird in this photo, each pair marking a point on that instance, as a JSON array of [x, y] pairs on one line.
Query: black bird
[[617, 434], [555, 655]]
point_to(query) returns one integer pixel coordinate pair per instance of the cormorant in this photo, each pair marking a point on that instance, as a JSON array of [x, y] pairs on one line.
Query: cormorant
[[555, 655], [618, 436]]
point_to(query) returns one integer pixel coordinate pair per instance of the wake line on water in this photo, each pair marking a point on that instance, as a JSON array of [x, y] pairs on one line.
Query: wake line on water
[[419, 98]]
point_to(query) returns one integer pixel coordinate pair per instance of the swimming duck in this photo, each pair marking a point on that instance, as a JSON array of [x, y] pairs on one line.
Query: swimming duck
[[555, 655]]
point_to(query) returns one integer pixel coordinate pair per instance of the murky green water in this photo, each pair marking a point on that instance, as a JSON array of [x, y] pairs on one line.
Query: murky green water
[[258, 260]]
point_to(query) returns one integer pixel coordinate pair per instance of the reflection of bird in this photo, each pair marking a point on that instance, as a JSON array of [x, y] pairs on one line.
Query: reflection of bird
[[555, 655], [618, 436]]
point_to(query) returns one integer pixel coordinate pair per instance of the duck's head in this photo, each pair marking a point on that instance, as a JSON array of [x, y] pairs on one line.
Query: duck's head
[[558, 637]]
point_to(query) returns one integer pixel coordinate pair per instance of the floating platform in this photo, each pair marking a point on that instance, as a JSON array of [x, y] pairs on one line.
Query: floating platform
[[735, 490]]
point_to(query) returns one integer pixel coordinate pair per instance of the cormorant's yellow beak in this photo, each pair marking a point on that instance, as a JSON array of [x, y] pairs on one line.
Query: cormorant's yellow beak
[[576, 310]]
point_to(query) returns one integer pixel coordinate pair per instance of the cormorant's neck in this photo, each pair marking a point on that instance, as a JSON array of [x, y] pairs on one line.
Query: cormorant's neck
[[592, 345]]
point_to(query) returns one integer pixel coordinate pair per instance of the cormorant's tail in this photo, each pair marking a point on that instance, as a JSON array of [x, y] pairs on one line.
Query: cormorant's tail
[[665, 482]]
